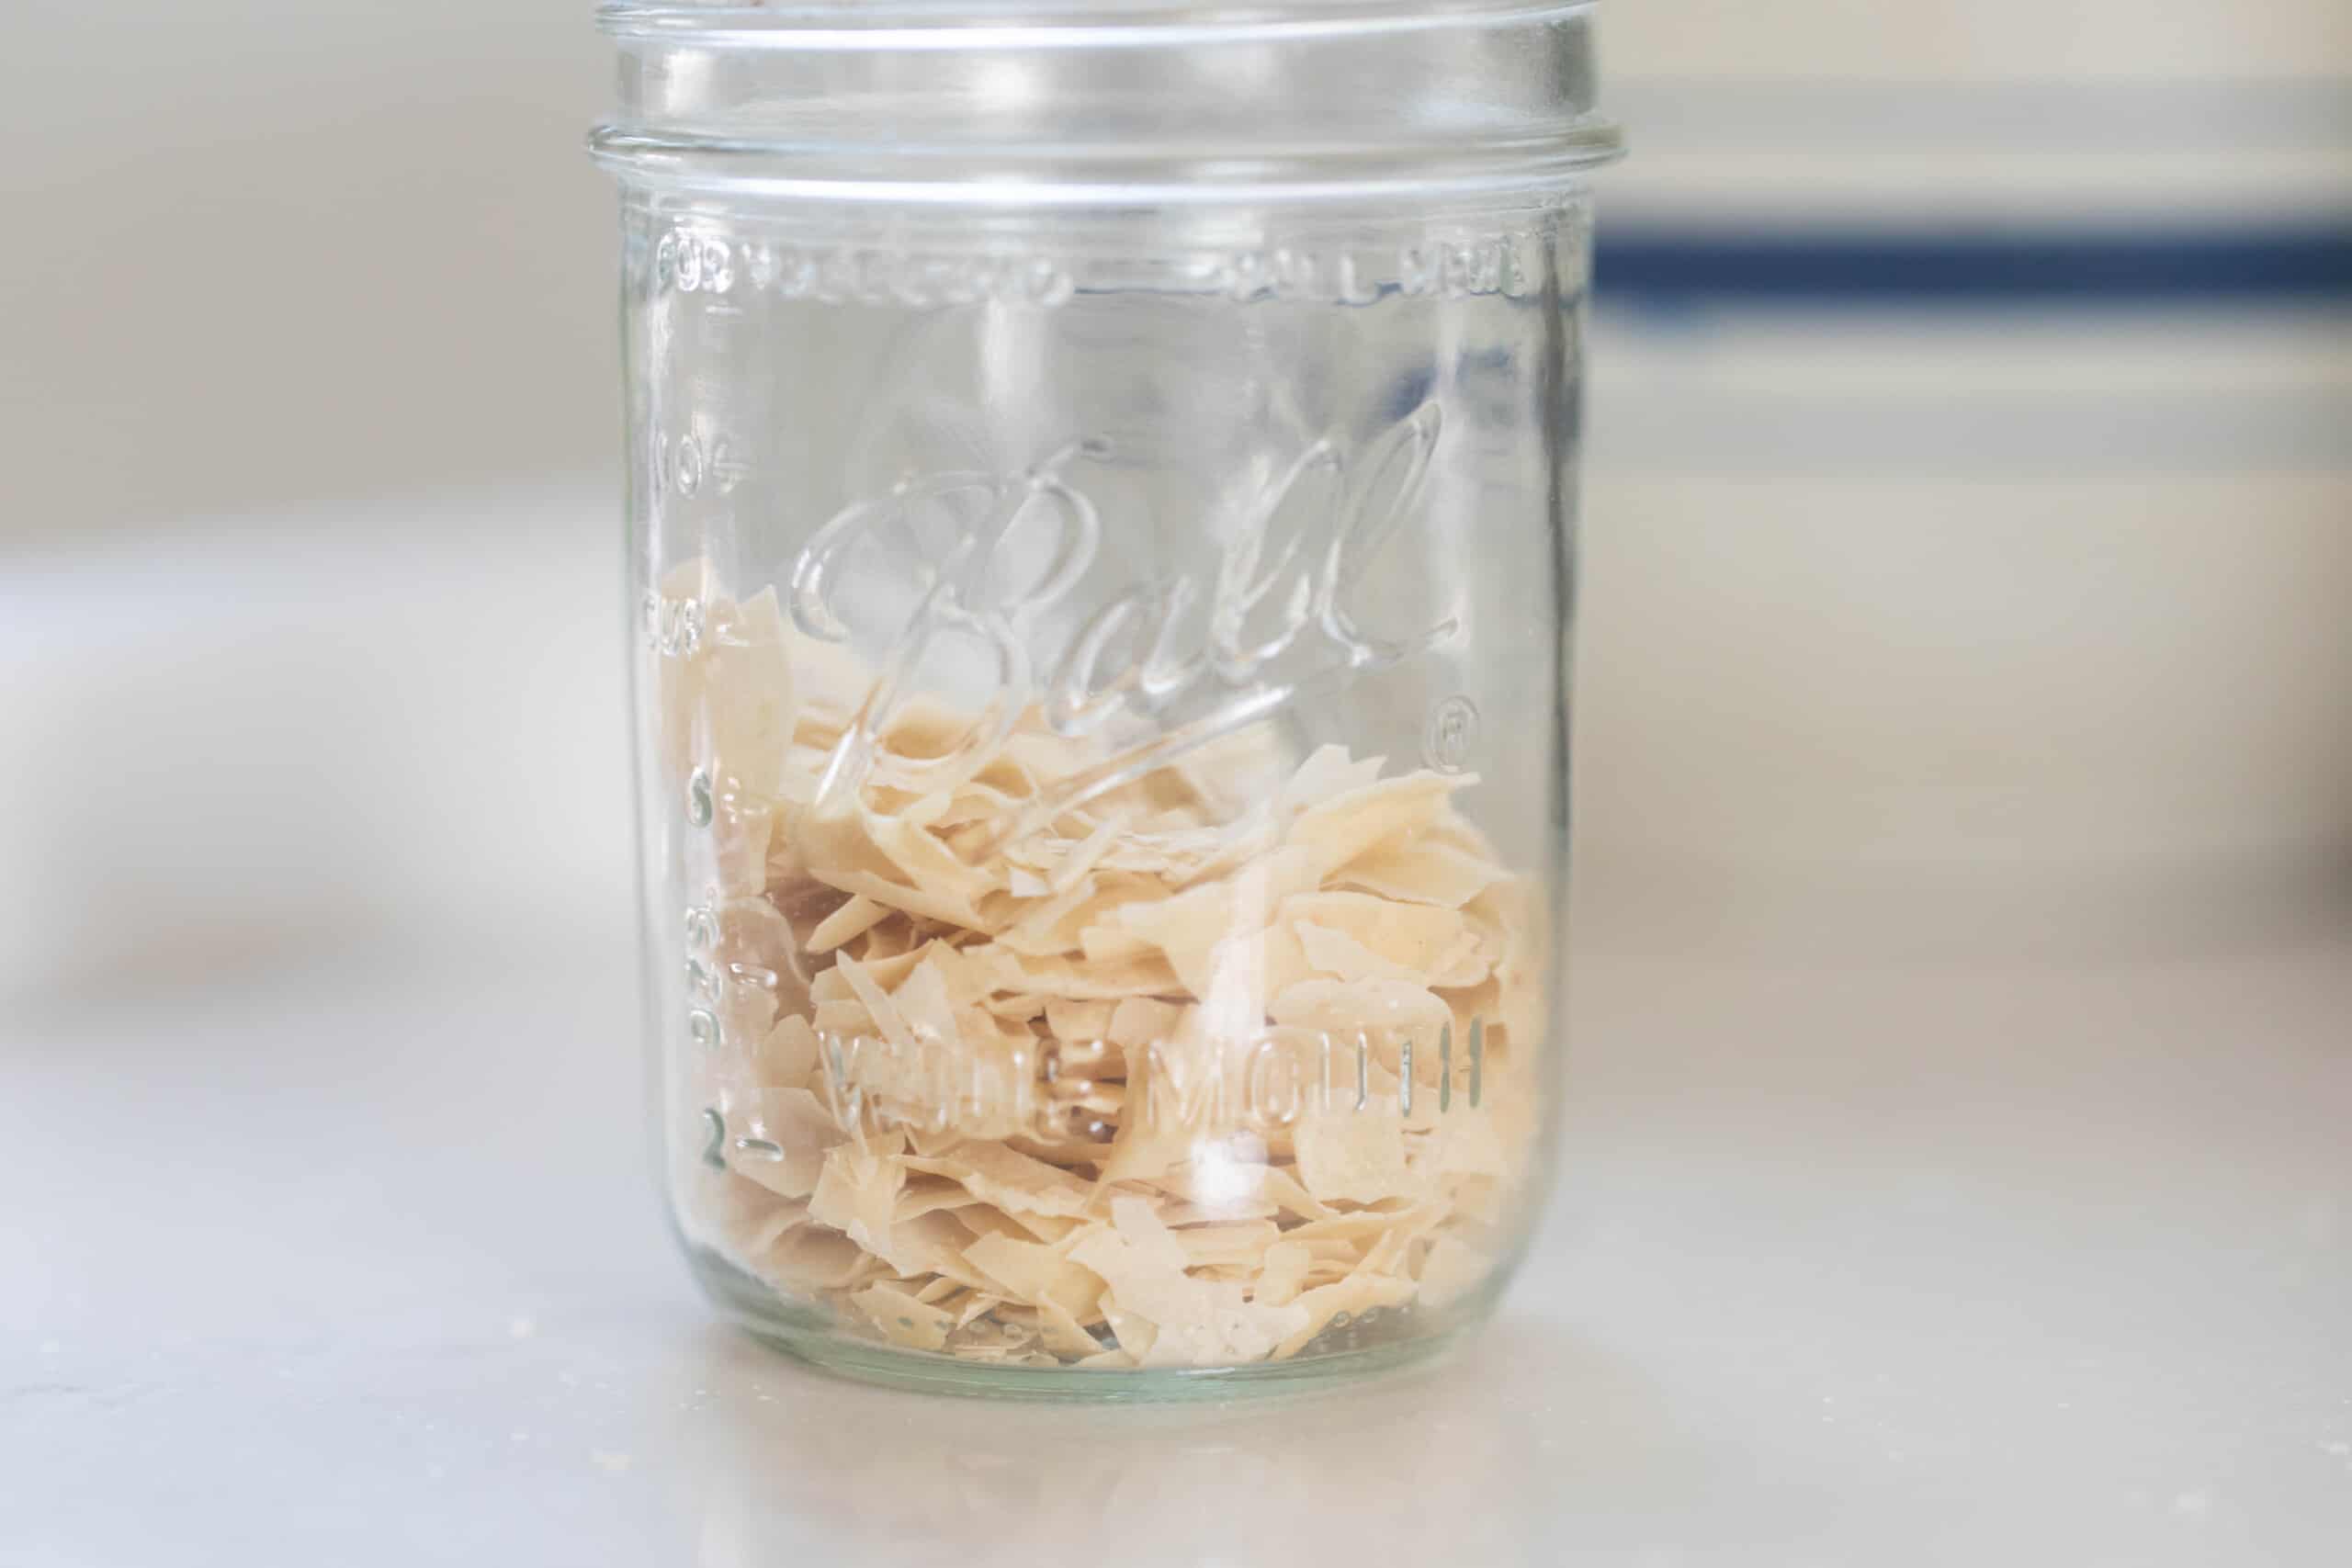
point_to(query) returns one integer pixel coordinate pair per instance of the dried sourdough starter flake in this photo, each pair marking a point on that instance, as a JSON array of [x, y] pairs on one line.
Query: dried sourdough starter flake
[[1217, 1062]]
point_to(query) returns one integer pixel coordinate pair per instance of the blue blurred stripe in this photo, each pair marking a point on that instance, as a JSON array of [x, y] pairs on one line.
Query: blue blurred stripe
[[2298, 264]]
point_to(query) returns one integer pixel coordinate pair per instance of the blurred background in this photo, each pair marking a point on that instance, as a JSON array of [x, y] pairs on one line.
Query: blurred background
[[1971, 539], [1969, 514]]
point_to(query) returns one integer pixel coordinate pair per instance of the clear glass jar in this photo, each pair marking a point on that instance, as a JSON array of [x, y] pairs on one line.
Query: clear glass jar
[[1100, 508]]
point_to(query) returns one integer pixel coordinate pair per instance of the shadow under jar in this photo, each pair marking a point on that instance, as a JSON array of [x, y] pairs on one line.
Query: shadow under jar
[[1101, 503]]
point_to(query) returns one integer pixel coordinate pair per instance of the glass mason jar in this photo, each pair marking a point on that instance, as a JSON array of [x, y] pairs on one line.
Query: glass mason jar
[[1100, 500]]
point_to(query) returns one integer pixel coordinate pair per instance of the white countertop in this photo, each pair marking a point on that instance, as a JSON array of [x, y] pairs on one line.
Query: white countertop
[[1958, 1261], [1962, 1222]]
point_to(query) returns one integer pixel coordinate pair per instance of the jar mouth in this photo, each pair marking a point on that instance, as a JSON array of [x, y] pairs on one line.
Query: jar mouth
[[1052, 102], [959, 24]]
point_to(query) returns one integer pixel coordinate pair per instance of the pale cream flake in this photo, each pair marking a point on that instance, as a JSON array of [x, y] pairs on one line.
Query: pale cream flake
[[1210, 1065], [1194, 1323], [784, 1136], [1341, 1006], [1422, 872], [742, 832], [856, 1193], [814, 1257], [904, 1319], [1078, 1022], [1339, 830], [858, 915], [1337, 953], [787, 1057], [1281, 1272], [1327, 771], [1384, 940], [1008, 1180], [1189, 927], [1036, 1273], [1354, 1156], [1317, 1309]]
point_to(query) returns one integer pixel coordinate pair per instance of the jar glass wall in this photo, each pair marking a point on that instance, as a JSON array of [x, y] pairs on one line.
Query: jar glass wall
[[1102, 705]]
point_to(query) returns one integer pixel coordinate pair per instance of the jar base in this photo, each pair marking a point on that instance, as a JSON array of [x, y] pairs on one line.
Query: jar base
[[808, 1336]]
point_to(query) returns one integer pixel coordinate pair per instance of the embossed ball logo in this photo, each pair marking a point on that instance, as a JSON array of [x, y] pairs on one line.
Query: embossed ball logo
[[1168, 663]]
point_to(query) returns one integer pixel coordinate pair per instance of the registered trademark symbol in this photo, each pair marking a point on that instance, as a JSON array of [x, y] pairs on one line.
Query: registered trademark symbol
[[1452, 730]]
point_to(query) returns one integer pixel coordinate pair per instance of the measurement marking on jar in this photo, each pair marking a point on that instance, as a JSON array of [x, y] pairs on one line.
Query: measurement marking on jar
[[753, 974], [699, 799], [702, 981], [694, 264], [691, 463], [714, 1146], [673, 625]]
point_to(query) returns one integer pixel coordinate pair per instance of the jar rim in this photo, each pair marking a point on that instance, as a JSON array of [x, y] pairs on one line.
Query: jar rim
[[1076, 101], [845, 25]]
